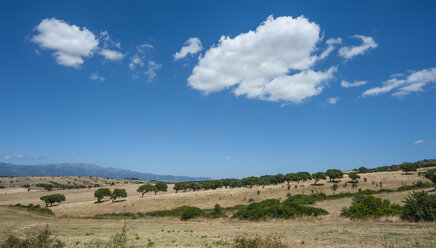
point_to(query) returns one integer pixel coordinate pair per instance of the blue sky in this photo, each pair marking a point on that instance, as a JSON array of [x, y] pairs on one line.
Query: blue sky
[[259, 87]]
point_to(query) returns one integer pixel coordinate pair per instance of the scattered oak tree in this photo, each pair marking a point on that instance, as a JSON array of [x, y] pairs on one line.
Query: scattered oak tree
[[101, 193], [160, 186], [334, 174], [318, 176], [353, 176], [144, 189], [118, 193], [50, 199], [406, 167]]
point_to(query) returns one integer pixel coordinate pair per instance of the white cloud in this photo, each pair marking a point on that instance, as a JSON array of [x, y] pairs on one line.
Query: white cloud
[[134, 61], [69, 42], [228, 157], [20, 157], [347, 84], [96, 77], [350, 51], [330, 47], [152, 68], [419, 142], [415, 82], [273, 62], [139, 63], [111, 54], [333, 100], [192, 46]]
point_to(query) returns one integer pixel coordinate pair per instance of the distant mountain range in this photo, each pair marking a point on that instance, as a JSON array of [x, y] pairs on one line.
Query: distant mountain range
[[91, 170]]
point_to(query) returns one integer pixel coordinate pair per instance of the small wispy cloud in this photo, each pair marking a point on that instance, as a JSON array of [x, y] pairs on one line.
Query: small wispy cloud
[[20, 157], [228, 157], [421, 142], [96, 77], [333, 100]]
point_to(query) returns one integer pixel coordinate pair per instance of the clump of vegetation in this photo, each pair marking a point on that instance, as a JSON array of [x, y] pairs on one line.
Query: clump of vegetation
[[370, 207], [257, 241], [431, 175], [191, 212], [217, 212], [101, 193], [418, 185], [302, 199], [34, 208], [54, 198], [273, 208], [419, 206], [40, 239]]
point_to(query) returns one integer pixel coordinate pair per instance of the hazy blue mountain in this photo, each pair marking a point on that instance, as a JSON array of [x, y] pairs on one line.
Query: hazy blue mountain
[[70, 169]]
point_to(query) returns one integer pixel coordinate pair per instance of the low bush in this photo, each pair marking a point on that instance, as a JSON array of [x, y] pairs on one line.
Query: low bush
[[370, 207], [418, 185], [257, 241], [302, 199], [419, 206], [39, 239], [191, 212], [34, 208], [273, 208]]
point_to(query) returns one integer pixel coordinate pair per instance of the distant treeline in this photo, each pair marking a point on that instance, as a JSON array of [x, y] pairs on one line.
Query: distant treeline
[[290, 177], [419, 164]]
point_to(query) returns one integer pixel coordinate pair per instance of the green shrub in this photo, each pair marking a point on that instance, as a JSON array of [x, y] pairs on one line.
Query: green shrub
[[302, 199], [418, 185], [370, 207], [191, 212], [34, 208], [257, 241], [32, 240], [272, 208], [420, 206]]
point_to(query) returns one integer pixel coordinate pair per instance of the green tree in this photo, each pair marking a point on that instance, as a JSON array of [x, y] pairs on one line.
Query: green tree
[[180, 186], [353, 176], [48, 187], [419, 206], [160, 186], [318, 176], [406, 167], [50, 199], [303, 176], [363, 169], [118, 193], [146, 188], [334, 174], [101, 193], [431, 175]]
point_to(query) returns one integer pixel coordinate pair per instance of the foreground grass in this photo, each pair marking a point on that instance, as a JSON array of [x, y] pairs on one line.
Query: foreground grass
[[165, 232]]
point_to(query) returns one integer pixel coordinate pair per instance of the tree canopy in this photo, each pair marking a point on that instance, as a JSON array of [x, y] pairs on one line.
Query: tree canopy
[[101, 193], [50, 199]]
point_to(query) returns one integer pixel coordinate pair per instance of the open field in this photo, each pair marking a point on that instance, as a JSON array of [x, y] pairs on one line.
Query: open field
[[81, 202], [164, 232], [74, 223]]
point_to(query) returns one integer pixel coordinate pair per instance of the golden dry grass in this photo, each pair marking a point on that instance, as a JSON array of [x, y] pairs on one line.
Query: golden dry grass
[[81, 202], [326, 231]]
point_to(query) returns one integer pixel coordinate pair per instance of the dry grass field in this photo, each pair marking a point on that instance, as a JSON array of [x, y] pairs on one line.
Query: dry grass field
[[72, 222]]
